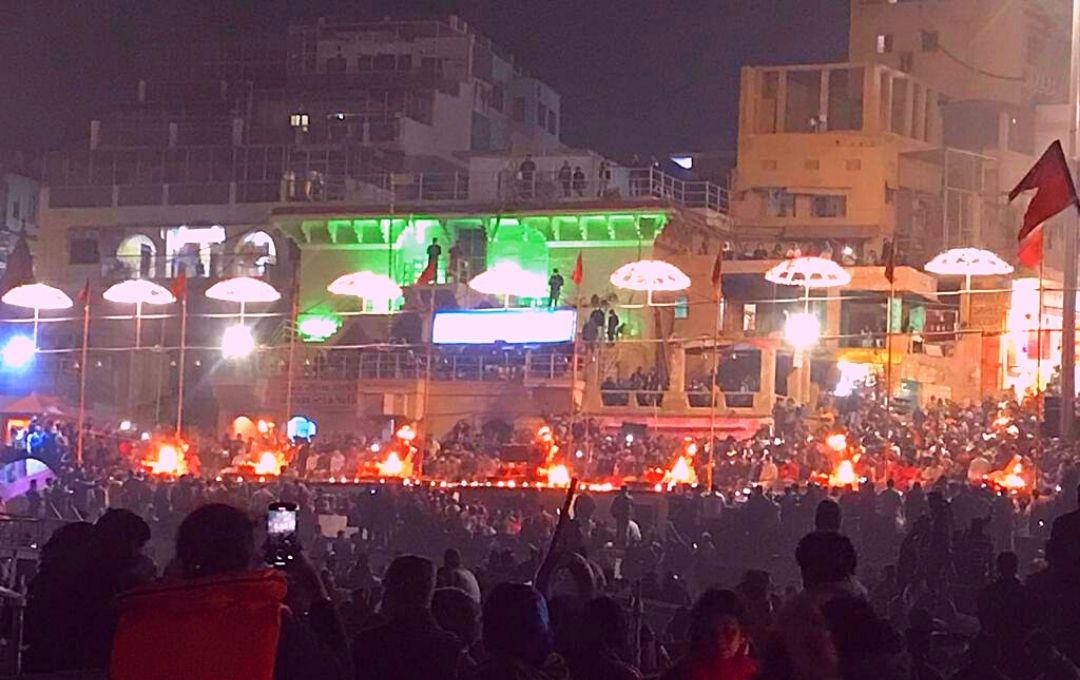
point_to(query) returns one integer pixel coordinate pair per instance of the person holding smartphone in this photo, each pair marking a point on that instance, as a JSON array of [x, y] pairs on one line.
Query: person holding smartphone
[[224, 616]]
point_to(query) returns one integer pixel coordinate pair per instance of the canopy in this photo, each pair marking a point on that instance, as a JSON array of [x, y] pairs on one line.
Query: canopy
[[968, 262], [367, 285], [138, 291], [243, 289], [37, 296], [651, 276], [809, 272], [508, 278]]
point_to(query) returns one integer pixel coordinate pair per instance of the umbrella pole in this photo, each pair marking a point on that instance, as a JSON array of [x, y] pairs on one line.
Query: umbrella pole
[[138, 325], [180, 374], [37, 315], [83, 367]]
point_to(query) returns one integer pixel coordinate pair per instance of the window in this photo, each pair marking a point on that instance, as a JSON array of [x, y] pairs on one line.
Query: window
[[83, 249], [749, 318], [552, 122], [431, 65], [365, 62], [768, 165], [385, 62], [541, 114], [907, 62], [779, 203], [883, 43], [812, 164], [853, 164], [404, 62], [497, 97], [929, 41], [682, 307], [519, 110], [299, 120], [828, 206], [15, 209]]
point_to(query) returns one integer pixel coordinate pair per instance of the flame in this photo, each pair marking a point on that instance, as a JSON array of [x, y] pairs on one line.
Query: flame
[[269, 463], [1014, 479], [559, 476], [836, 442], [406, 433], [393, 466], [844, 474], [169, 461], [682, 472]]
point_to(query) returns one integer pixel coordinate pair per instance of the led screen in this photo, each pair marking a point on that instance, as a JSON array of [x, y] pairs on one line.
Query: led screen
[[512, 326]]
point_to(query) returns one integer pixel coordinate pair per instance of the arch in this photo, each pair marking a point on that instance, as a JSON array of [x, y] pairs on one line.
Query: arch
[[137, 255], [255, 251]]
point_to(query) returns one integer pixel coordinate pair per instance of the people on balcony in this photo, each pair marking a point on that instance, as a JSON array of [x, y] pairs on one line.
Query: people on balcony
[[555, 286]]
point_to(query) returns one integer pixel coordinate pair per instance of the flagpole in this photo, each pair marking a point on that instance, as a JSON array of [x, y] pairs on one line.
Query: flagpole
[[888, 338], [183, 356], [1072, 229], [718, 320], [83, 367], [292, 347]]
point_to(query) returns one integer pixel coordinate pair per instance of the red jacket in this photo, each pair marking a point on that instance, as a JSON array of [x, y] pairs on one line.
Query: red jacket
[[219, 628]]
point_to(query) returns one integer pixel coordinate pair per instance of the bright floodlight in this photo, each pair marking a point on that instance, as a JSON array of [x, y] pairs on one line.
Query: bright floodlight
[[237, 342], [508, 278], [809, 272], [18, 352], [968, 262], [243, 289], [366, 285], [138, 291], [37, 296], [651, 276], [802, 330]]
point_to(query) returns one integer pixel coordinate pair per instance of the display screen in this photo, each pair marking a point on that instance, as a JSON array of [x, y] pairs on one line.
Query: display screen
[[280, 522], [511, 326]]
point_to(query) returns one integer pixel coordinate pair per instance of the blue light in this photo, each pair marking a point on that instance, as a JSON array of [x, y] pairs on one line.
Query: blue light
[[18, 352]]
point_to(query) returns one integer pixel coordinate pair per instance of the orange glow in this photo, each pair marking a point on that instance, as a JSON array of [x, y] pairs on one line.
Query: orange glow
[[169, 460], [406, 433], [1014, 480], [682, 472], [269, 463], [844, 474], [559, 476], [394, 466], [836, 442], [264, 426]]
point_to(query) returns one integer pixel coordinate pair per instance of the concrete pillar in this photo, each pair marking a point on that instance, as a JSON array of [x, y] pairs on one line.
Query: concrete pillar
[[823, 101], [142, 91], [781, 102], [95, 134], [675, 396], [833, 309], [871, 106], [237, 131], [909, 109], [174, 134]]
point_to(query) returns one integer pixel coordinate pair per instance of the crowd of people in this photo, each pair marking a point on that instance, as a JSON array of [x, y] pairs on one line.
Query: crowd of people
[[921, 567]]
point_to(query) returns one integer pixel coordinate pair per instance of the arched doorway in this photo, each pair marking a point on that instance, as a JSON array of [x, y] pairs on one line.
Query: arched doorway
[[137, 255], [255, 252]]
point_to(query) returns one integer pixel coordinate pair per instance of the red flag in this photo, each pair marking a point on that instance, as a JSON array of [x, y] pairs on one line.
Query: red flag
[[179, 285], [1052, 181], [718, 271], [84, 295], [579, 271], [428, 275]]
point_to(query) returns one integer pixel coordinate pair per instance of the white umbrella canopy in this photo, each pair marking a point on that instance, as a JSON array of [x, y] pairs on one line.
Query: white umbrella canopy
[[809, 272], [366, 285], [968, 262], [37, 296], [139, 291], [243, 289], [650, 276], [508, 278]]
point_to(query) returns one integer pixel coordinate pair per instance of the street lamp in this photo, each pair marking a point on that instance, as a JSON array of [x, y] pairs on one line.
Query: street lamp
[[802, 330], [237, 342], [968, 262], [138, 292], [37, 296]]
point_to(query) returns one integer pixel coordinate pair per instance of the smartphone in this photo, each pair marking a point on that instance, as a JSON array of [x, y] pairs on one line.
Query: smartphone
[[281, 540]]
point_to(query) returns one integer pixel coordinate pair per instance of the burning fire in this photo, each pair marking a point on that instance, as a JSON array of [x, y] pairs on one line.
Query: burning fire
[[682, 472], [406, 433], [168, 460], [1014, 480], [269, 463], [559, 476], [836, 442], [844, 474], [391, 466]]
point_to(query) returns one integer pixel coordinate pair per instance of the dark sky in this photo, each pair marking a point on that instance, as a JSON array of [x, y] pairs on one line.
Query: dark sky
[[635, 75]]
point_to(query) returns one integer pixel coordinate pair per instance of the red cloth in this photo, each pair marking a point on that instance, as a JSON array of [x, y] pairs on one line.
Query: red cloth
[[735, 668], [179, 285], [578, 275], [718, 272], [1052, 181], [428, 275], [219, 628]]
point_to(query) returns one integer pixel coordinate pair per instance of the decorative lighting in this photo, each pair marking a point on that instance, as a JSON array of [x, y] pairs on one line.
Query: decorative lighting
[[243, 289], [809, 272], [317, 328], [138, 292], [509, 279], [237, 342], [968, 262], [366, 285], [18, 352], [802, 330]]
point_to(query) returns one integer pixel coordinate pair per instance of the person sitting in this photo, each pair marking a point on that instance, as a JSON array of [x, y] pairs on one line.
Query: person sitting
[[453, 575], [218, 602], [409, 644]]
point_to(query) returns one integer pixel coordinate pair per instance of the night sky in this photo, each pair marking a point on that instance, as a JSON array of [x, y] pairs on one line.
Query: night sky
[[636, 76]]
